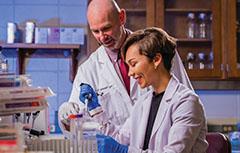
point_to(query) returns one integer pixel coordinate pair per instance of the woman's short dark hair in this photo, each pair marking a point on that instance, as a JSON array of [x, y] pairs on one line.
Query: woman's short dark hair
[[150, 42]]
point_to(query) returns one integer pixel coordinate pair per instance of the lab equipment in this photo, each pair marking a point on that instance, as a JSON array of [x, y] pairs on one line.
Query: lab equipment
[[202, 60], [210, 60], [3, 62], [13, 80], [23, 99], [202, 25], [83, 134], [190, 60], [191, 25], [68, 108], [107, 144], [89, 97], [11, 138]]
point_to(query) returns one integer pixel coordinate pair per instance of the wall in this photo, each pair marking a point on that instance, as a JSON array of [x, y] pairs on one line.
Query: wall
[[50, 72], [54, 72]]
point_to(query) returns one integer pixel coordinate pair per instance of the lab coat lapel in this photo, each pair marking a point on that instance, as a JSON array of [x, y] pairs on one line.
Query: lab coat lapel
[[145, 114], [108, 68], [164, 105]]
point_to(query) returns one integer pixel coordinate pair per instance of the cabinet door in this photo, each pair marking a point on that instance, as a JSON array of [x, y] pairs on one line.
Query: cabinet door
[[136, 13], [202, 56], [232, 36]]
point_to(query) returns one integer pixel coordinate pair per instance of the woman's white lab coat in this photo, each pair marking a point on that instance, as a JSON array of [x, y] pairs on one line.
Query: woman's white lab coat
[[179, 127], [99, 72]]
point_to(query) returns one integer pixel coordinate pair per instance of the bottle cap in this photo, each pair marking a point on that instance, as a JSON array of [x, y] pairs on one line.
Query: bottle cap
[[201, 56], [72, 116], [202, 15], [190, 56], [191, 15]]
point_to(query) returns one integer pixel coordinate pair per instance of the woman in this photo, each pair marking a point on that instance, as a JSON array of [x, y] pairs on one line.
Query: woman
[[169, 120]]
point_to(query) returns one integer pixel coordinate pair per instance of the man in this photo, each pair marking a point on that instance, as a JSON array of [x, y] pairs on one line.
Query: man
[[102, 69]]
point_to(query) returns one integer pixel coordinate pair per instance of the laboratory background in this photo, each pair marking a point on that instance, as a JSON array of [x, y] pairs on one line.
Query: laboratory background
[[46, 40]]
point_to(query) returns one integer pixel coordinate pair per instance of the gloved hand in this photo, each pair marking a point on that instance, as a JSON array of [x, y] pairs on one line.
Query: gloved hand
[[66, 109], [107, 144], [87, 94]]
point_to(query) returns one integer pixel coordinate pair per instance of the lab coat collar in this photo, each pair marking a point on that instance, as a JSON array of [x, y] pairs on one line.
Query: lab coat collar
[[171, 88], [164, 105], [109, 68]]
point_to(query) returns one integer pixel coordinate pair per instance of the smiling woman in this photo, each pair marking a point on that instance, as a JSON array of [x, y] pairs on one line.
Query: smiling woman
[[149, 55], [171, 118]]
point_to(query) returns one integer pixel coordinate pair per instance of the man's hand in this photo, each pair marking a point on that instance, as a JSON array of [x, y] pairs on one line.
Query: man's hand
[[67, 109], [89, 96]]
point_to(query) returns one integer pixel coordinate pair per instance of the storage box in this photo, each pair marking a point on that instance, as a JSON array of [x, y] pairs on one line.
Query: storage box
[[41, 35], [72, 36]]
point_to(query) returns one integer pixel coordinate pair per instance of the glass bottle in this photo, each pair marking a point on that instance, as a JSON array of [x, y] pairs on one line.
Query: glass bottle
[[191, 25], [3, 63], [202, 60], [190, 60], [210, 30], [210, 59], [202, 25]]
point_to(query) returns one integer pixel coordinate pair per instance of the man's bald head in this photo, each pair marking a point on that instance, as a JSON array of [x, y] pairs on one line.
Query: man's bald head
[[102, 6]]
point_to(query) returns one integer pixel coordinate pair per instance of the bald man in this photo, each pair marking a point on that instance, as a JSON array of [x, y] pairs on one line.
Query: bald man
[[102, 71]]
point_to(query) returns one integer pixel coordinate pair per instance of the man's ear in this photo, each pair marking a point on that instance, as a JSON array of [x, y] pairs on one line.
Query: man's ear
[[157, 60], [122, 16]]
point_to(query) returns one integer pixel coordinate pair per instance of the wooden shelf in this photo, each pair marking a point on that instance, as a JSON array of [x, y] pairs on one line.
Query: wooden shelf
[[40, 46], [135, 10], [194, 40], [179, 10], [24, 50]]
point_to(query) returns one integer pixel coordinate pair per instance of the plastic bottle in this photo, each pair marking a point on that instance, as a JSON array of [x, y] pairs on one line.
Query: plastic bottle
[[202, 25], [191, 29], [3, 63]]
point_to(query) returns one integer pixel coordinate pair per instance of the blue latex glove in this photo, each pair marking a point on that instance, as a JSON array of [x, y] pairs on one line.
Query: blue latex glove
[[107, 144], [88, 93]]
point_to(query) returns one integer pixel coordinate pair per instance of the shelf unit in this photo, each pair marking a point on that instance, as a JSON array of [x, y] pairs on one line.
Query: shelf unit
[[51, 50], [171, 15]]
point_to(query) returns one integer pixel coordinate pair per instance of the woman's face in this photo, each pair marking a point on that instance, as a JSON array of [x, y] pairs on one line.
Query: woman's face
[[141, 67]]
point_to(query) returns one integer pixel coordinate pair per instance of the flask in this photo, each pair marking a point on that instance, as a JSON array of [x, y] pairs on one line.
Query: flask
[[191, 29], [3, 63], [190, 60], [202, 25]]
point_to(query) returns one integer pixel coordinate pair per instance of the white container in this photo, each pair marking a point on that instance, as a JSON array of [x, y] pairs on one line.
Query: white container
[[11, 32], [29, 32]]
